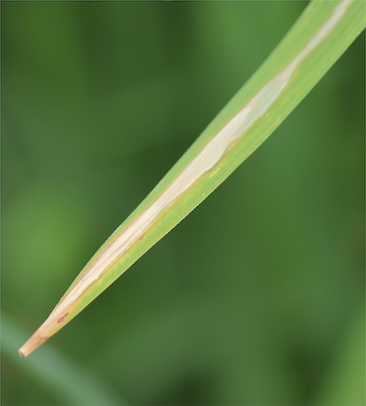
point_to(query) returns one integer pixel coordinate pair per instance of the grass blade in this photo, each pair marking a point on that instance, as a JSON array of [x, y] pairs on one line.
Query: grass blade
[[317, 40]]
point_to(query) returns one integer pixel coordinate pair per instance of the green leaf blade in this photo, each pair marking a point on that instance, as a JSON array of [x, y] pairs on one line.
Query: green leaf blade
[[316, 41]]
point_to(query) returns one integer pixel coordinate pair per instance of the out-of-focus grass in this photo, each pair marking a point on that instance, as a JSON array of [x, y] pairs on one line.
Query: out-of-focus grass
[[285, 277], [345, 380], [60, 376]]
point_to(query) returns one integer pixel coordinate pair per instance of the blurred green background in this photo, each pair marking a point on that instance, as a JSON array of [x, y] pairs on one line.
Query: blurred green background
[[257, 298]]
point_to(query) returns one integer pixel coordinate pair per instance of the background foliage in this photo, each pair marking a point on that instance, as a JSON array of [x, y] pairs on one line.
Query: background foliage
[[257, 297]]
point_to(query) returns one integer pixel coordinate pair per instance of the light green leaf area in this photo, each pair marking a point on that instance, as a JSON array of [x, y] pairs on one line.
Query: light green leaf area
[[316, 41]]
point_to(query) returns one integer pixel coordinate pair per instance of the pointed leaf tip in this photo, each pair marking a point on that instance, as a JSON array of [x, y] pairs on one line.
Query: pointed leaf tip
[[32, 344]]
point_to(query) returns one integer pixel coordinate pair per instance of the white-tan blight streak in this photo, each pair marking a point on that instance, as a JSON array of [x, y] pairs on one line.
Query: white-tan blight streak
[[205, 160]]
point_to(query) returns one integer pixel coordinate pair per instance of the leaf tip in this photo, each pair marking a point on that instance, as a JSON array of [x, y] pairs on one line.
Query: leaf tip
[[32, 344]]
